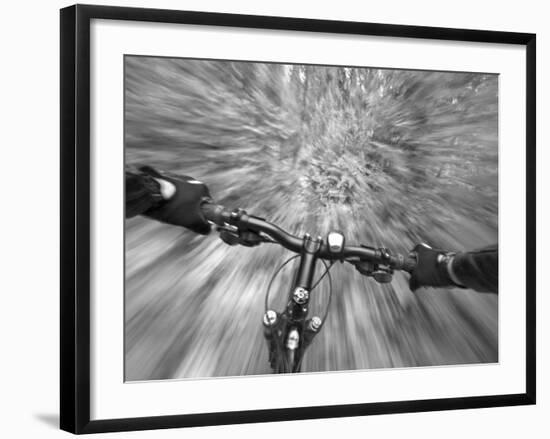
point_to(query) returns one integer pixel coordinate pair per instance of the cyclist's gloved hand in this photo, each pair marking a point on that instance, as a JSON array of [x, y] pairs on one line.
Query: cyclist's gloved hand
[[181, 207], [431, 268]]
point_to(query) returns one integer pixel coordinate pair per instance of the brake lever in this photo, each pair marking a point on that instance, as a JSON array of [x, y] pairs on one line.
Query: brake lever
[[381, 273], [250, 239], [231, 235]]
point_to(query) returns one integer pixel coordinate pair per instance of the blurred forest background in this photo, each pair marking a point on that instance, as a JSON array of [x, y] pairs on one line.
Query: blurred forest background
[[389, 157]]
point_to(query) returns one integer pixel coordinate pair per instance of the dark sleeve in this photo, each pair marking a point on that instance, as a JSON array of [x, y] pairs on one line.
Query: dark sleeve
[[142, 193], [478, 269]]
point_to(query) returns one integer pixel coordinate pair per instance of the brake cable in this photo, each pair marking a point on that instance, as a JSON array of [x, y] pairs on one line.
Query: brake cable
[[273, 278], [327, 272]]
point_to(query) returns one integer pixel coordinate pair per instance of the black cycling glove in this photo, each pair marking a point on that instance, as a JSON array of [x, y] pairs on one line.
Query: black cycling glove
[[183, 207], [431, 268]]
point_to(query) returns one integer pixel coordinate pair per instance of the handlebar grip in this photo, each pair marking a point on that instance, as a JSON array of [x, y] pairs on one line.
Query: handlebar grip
[[213, 212], [409, 264], [405, 263]]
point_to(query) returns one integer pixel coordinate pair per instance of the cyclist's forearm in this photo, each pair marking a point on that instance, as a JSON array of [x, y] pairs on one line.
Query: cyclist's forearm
[[477, 270], [139, 194]]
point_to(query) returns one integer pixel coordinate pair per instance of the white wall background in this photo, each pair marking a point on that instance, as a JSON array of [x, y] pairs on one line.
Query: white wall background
[[29, 249]]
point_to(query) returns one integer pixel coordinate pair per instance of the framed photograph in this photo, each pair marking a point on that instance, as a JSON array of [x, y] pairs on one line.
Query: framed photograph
[[273, 218]]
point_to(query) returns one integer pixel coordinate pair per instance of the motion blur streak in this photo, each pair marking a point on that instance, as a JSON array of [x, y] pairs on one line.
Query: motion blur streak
[[390, 158]]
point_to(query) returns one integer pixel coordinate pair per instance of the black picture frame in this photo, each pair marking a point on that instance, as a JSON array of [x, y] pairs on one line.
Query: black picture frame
[[75, 216]]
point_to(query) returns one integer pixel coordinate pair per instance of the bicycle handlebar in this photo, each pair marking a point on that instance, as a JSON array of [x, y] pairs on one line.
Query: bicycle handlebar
[[217, 214]]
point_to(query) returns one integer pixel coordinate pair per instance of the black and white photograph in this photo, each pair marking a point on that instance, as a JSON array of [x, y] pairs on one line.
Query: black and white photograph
[[299, 218]]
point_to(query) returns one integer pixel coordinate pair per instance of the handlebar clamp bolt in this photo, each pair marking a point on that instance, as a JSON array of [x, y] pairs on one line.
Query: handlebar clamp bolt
[[300, 295]]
